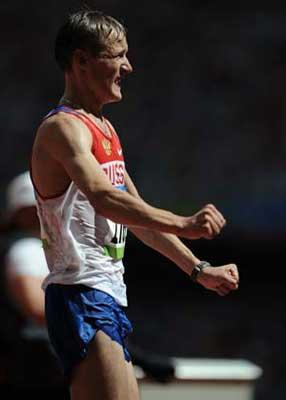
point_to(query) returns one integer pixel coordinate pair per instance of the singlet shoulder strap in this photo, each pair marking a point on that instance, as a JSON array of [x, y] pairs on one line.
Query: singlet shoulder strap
[[84, 118], [112, 130], [70, 111], [58, 109]]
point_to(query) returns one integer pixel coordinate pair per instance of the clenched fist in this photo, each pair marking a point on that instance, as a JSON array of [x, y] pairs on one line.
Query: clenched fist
[[220, 279], [206, 223]]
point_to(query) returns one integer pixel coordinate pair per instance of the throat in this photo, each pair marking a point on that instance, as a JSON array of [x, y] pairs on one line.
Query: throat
[[88, 107], [99, 120]]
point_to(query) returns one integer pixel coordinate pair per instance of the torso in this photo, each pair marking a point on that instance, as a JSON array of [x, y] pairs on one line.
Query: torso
[[81, 245]]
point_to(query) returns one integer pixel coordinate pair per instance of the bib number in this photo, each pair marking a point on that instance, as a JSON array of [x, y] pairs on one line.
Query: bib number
[[116, 245]]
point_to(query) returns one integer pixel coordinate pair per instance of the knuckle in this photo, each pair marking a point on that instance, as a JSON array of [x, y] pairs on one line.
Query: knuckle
[[207, 217], [207, 227]]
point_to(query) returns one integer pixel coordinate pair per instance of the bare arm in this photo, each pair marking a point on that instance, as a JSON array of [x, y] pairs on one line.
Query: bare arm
[[221, 279], [167, 244], [68, 141], [26, 293]]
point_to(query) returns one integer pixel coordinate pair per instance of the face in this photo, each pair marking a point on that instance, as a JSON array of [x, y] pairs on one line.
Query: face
[[105, 72]]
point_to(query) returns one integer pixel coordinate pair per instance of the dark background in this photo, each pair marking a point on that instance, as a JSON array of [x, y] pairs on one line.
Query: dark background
[[202, 120]]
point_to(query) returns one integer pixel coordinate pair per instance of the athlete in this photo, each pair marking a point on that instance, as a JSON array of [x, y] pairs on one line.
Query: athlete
[[86, 200]]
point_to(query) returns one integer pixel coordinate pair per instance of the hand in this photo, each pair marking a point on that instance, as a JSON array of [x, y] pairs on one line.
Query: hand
[[220, 279], [206, 223]]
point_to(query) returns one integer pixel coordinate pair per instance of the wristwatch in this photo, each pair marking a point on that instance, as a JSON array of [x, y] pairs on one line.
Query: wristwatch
[[197, 268]]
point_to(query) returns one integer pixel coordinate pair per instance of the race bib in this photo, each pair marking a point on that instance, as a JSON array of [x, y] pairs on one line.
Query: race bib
[[115, 241]]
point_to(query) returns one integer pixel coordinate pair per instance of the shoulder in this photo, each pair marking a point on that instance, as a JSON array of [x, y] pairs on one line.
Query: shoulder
[[62, 122], [64, 128], [26, 257]]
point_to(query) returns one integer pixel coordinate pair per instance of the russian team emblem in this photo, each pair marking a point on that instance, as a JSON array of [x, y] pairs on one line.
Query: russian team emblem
[[106, 144]]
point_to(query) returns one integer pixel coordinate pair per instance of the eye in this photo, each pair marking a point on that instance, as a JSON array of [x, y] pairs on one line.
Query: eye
[[120, 55]]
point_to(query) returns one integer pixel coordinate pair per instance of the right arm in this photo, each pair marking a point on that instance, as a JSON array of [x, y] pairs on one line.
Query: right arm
[[69, 142]]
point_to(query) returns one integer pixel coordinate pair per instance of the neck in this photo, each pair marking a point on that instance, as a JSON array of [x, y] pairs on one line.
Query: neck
[[77, 97]]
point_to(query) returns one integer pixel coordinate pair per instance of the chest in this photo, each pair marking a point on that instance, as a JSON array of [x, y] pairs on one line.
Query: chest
[[108, 153]]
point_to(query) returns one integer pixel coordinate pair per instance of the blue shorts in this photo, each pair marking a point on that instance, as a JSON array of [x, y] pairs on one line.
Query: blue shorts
[[74, 314]]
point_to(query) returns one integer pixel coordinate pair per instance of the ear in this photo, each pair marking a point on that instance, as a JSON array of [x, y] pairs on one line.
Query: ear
[[80, 58]]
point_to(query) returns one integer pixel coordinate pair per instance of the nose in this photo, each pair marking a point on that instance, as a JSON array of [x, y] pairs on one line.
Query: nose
[[126, 66]]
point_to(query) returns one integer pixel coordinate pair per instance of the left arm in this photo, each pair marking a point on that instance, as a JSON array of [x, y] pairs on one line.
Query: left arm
[[221, 279], [169, 245]]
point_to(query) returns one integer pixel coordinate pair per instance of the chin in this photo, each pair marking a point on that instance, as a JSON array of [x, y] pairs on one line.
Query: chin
[[118, 95], [116, 92], [115, 98]]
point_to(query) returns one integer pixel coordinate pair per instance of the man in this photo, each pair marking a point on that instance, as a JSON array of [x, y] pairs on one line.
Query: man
[[85, 201]]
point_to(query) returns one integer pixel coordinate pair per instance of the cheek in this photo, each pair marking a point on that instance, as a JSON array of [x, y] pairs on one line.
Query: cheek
[[101, 79], [109, 72]]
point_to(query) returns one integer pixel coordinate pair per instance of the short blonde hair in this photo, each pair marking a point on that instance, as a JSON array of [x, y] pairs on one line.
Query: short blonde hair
[[89, 30]]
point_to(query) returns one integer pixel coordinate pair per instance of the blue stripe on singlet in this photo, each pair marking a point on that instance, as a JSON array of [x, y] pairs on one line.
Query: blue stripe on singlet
[[122, 187], [59, 109]]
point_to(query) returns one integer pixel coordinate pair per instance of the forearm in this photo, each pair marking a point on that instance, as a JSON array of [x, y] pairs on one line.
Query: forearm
[[168, 245], [121, 207]]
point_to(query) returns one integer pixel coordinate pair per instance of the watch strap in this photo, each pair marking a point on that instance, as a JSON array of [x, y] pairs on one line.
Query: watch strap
[[198, 268]]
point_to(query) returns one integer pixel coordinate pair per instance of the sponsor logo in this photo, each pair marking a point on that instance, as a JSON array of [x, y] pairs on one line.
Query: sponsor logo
[[119, 151], [106, 144], [115, 171]]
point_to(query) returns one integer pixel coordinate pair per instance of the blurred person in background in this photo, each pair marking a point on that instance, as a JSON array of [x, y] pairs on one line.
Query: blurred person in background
[[33, 368], [86, 200]]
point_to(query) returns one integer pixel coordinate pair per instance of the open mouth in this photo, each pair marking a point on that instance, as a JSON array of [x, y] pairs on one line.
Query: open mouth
[[118, 81]]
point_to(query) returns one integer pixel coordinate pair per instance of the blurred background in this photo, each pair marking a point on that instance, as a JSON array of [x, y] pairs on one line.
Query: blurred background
[[202, 120]]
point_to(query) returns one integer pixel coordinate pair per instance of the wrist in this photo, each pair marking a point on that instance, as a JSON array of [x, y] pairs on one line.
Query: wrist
[[180, 224], [198, 268]]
